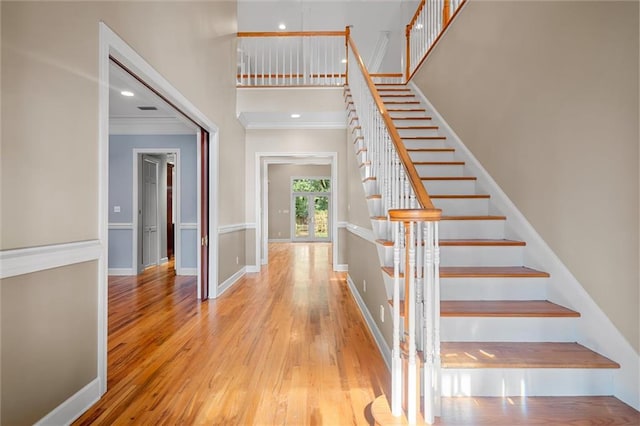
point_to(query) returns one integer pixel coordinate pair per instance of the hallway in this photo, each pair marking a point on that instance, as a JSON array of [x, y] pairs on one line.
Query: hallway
[[285, 346]]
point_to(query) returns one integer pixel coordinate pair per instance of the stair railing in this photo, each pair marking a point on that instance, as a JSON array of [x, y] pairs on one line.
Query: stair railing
[[425, 29], [302, 58], [413, 227]]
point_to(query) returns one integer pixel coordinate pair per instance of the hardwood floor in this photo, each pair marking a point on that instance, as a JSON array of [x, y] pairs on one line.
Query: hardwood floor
[[285, 346]]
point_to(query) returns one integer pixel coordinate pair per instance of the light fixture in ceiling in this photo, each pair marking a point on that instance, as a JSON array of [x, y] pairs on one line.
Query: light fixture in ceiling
[[126, 93], [295, 115], [282, 26]]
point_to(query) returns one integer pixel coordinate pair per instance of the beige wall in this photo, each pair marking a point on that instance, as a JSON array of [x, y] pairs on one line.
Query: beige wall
[[232, 256], [49, 163], [280, 194], [49, 339], [545, 94]]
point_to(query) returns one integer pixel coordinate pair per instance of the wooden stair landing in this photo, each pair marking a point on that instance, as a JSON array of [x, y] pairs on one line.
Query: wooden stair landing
[[504, 308], [521, 355]]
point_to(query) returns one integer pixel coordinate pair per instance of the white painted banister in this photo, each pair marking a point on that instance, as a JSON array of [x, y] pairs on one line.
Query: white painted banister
[[411, 224], [304, 58]]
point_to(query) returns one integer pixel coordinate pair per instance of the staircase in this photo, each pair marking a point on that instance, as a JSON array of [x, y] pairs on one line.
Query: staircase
[[500, 335]]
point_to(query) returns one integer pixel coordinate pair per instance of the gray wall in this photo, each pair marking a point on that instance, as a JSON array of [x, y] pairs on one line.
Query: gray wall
[[49, 171], [279, 176], [545, 95], [121, 193]]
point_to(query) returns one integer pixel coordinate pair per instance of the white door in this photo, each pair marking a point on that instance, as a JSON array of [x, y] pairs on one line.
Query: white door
[[150, 243]]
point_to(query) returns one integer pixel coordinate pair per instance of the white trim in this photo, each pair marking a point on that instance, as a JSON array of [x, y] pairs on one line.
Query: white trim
[[33, 259], [229, 282], [185, 226], [253, 269], [595, 329], [279, 240], [123, 272], [120, 226], [236, 227], [148, 126], [176, 200], [364, 233], [342, 224], [341, 268], [74, 406], [164, 260], [385, 351], [284, 125], [262, 161], [111, 44]]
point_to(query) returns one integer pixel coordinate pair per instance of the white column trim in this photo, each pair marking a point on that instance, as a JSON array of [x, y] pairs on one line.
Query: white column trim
[[34, 259]]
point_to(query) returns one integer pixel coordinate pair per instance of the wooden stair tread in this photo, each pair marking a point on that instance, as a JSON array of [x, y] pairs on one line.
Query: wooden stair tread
[[504, 308], [459, 196], [406, 110], [521, 355], [411, 118], [490, 272], [402, 102], [448, 178], [439, 163], [481, 242], [386, 89], [418, 128], [422, 138], [397, 95], [374, 197], [488, 217]]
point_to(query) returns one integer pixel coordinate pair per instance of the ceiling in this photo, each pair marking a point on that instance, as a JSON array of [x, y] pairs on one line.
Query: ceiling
[[369, 18]]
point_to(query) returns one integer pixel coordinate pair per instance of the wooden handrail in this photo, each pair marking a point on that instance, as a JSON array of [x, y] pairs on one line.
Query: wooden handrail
[[416, 14], [292, 34], [420, 191], [413, 215], [446, 23]]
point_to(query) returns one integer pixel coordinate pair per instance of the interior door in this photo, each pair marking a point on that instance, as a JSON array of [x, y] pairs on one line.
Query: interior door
[[204, 214], [150, 236]]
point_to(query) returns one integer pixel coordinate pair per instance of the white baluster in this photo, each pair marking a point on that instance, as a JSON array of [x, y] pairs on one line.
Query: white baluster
[[436, 319], [396, 361], [430, 303]]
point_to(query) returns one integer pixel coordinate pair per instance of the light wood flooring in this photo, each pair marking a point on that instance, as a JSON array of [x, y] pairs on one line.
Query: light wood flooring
[[285, 346]]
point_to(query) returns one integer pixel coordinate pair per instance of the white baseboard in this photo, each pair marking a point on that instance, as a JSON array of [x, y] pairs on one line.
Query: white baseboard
[[280, 240], [164, 260], [226, 285], [121, 271], [188, 272], [341, 268], [74, 406], [252, 269], [385, 351]]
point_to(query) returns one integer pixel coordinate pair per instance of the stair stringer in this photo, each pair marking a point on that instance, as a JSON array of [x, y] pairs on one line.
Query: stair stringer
[[594, 329]]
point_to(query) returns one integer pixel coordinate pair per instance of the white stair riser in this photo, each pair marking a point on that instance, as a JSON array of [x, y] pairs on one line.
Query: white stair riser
[[462, 206], [439, 170], [365, 171], [465, 229], [508, 329], [396, 114], [431, 155], [397, 97], [417, 132], [493, 288], [503, 382], [420, 121], [402, 106], [424, 143], [375, 206], [480, 256], [380, 229], [370, 187], [450, 187]]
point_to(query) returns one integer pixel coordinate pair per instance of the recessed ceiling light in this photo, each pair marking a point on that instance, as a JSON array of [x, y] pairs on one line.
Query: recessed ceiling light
[[344, 61], [126, 93], [282, 26], [295, 115]]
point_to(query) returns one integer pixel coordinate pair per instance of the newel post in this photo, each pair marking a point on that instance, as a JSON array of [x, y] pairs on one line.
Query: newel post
[[347, 35], [446, 13], [408, 52]]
